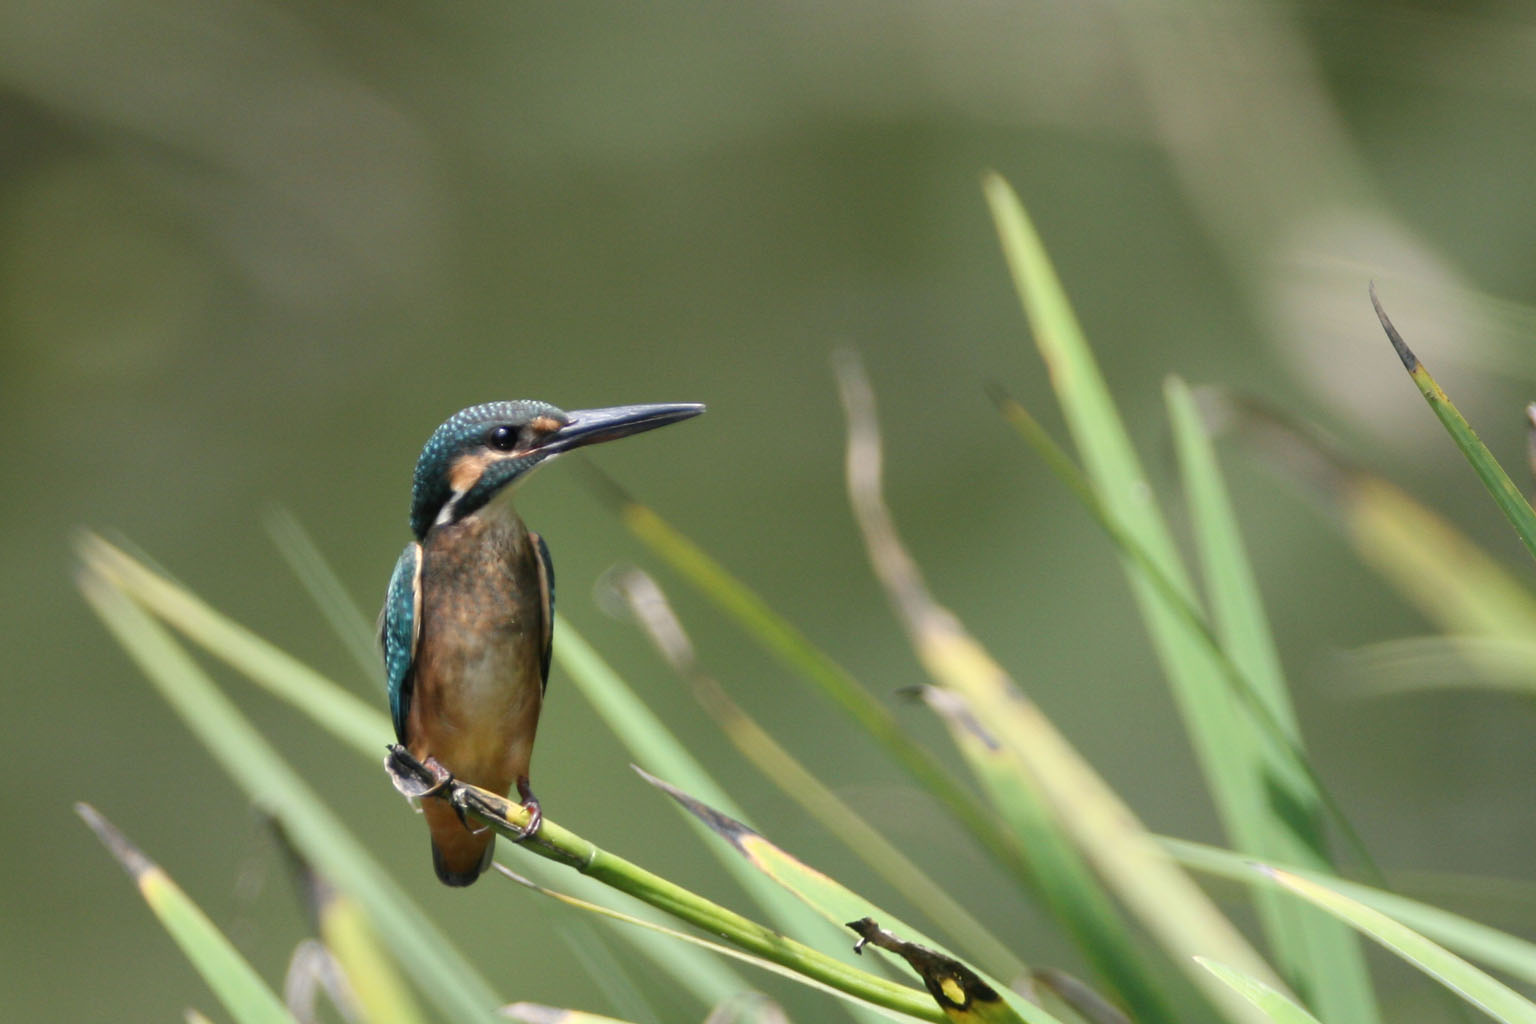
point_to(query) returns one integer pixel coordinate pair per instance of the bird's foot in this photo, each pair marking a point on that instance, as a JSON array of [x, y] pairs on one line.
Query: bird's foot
[[467, 800], [418, 780], [531, 805], [415, 779], [460, 800]]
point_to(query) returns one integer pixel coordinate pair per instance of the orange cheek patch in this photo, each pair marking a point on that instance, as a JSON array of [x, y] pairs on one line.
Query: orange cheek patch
[[545, 424], [466, 471]]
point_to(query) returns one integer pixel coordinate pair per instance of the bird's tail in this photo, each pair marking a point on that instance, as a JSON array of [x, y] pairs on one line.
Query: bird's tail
[[460, 855]]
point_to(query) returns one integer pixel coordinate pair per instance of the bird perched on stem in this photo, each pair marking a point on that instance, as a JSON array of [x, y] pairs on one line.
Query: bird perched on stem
[[467, 619]]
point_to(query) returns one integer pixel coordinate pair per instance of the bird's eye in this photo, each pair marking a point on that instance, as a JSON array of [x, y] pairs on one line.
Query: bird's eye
[[504, 439]]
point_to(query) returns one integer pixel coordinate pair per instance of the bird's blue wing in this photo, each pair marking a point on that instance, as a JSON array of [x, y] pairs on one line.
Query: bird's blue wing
[[399, 629], [547, 599]]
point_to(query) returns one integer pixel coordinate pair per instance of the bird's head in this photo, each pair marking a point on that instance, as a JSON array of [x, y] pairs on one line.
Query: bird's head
[[481, 452]]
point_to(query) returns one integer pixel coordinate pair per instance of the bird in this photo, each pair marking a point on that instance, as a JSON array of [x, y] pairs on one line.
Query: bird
[[468, 616]]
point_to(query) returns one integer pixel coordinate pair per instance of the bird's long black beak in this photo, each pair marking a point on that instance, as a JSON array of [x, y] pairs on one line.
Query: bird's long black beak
[[593, 426]]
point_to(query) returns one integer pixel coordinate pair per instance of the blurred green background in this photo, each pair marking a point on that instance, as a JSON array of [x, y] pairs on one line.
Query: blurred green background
[[252, 253]]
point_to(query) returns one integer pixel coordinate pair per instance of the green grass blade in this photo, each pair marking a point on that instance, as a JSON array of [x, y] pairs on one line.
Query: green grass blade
[[1279, 737], [372, 977], [610, 977], [707, 978], [1420, 663], [1086, 403], [1115, 470], [1511, 954], [1283, 820], [828, 897], [653, 744], [357, 723], [1194, 672], [1167, 903], [233, 980], [1276, 1006], [1485, 992], [1505, 494], [1451, 580], [1072, 1000], [684, 938], [1079, 802], [510, 819], [1069, 888], [651, 609], [1237, 606], [441, 973], [747, 1008], [1111, 463], [792, 649], [325, 589]]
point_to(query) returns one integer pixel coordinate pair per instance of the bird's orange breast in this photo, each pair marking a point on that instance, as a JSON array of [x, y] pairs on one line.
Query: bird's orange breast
[[478, 684]]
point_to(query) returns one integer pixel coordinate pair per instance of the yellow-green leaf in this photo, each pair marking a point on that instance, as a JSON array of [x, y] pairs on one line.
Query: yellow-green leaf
[[1279, 1009], [1477, 987], [1505, 494], [233, 980]]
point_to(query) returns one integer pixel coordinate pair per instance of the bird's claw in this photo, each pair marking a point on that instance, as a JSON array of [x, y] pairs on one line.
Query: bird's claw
[[459, 800], [415, 779], [535, 812], [535, 820]]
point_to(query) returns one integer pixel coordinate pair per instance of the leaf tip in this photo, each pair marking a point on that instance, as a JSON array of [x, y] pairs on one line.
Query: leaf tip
[[128, 855], [522, 880], [1410, 361], [1173, 385], [723, 825], [997, 394], [998, 192]]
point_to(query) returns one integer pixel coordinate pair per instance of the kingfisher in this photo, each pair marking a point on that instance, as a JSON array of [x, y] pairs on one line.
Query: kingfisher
[[468, 616]]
